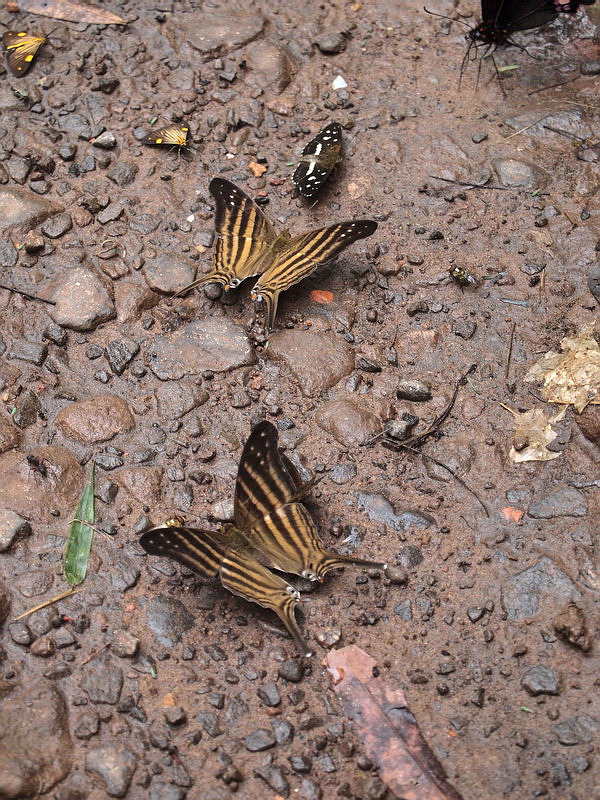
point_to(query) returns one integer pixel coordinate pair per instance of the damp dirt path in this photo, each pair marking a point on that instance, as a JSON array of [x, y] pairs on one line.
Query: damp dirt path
[[154, 683]]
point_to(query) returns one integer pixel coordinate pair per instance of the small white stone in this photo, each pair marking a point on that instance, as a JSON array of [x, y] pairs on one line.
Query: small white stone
[[339, 83], [191, 218]]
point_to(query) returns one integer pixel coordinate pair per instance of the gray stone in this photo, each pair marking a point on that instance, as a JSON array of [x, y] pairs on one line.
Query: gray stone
[[168, 619], [274, 778], [8, 253], [57, 226], [115, 764], [259, 740], [216, 344], [4, 602], [317, 361], [211, 723], [409, 556], [12, 527], [565, 501], [167, 791], [513, 172], [119, 353], [404, 610], [35, 745], [269, 694], [537, 589], [291, 670], [541, 680], [111, 213], [82, 299], [19, 207], [577, 730], [27, 409], [105, 141], [124, 644], [331, 43], [269, 66], [102, 680], [413, 389], [283, 730], [32, 352], [379, 509], [343, 473], [123, 172], [169, 272]]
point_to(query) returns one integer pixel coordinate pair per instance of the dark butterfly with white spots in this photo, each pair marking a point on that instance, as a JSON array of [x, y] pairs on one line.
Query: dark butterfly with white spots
[[21, 49], [248, 245], [271, 530], [318, 160], [174, 135]]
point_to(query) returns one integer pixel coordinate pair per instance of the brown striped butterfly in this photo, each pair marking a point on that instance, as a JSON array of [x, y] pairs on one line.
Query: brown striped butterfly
[[21, 49], [248, 245], [318, 160], [271, 530], [174, 135]]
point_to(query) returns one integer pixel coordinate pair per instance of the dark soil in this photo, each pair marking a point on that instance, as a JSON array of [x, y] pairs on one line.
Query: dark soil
[[154, 683]]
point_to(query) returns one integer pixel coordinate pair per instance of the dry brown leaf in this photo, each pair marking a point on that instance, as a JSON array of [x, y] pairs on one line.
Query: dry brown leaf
[[572, 376], [72, 11], [534, 429], [257, 169], [387, 729]]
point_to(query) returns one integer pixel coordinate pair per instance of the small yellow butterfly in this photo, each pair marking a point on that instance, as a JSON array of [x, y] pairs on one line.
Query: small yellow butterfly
[[20, 50]]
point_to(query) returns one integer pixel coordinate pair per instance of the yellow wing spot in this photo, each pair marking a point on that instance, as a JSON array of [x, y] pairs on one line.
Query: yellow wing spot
[[159, 141]]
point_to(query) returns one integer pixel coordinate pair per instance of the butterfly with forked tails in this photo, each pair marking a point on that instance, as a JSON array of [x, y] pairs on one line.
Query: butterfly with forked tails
[[318, 160], [247, 245], [21, 49], [271, 530]]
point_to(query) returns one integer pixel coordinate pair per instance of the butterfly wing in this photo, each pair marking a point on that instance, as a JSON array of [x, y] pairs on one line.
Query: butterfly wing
[[516, 15], [199, 550], [318, 160], [20, 50], [174, 135], [244, 236], [290, 541], [244, 576], [303, 255], [265, 478]]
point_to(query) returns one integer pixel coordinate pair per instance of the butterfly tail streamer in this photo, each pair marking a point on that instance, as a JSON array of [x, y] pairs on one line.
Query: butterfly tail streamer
[[335, 560], [250, 580]]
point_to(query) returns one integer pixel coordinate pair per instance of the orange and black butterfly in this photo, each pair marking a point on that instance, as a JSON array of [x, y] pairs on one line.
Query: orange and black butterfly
[[271, 530], [174, 135], [21, 49]]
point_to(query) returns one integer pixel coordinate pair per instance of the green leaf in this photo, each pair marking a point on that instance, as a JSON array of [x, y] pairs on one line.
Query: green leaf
[[508, 68], [79, 542]]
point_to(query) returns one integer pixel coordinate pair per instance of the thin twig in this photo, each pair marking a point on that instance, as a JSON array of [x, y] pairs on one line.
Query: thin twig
[[469, 184], [554, 85], [56, 599], [451, 471], [94, 654], [510, 349], [526, 128], [27, 295]]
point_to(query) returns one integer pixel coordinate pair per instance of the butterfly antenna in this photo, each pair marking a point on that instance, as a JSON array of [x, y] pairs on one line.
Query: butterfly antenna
[[443, 16]]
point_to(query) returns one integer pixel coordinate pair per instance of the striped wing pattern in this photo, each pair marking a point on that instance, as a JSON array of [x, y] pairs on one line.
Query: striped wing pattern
[[270, 529], [244, 235], [264, 480], [174, 135], [20, 50], [303, 255], [318, 160], [289, 538]]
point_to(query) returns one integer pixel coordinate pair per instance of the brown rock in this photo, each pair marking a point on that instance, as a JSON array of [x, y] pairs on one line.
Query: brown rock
[[348, 422], [215, 33], [35, 745], [4, 602], [144, 483], [31, 494], [83, 300], [317, 361], [589, 423], [9, 435], [24, 208], [169, 272], [269, 65], [95, 420], [571, 625], [132, 300]]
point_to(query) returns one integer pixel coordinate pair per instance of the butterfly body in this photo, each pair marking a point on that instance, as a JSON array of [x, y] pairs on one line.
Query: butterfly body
[[271, 529], [318, 160], [248, 245], [501, 18], [21, 49]]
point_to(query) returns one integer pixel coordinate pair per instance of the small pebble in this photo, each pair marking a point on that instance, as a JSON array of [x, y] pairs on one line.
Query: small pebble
[[413, 389]]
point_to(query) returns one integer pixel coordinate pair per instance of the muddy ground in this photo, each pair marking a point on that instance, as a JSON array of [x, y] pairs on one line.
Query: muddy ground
[[154, 683]]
